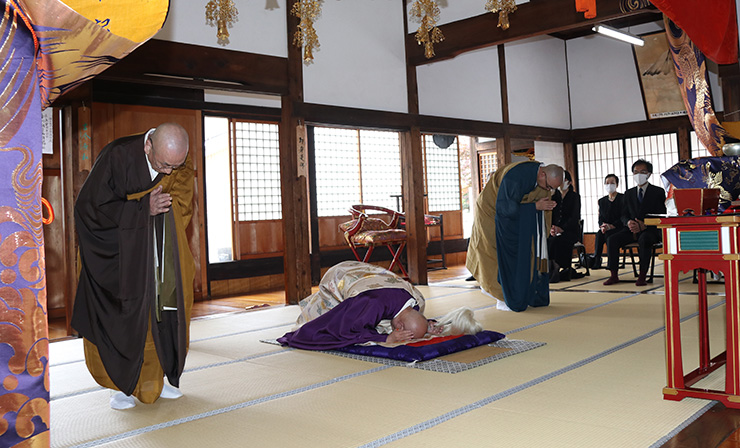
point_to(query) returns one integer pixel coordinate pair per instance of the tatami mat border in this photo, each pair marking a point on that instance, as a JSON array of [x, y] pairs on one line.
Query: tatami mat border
[[516, 330], [226, 409], [193, 369], [408, 431], [574, 313], [488, 400], [440, 365]]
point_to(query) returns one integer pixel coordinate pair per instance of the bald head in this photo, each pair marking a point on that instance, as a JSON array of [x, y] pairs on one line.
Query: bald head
[[167, 147], [411, 320], [550, 177]]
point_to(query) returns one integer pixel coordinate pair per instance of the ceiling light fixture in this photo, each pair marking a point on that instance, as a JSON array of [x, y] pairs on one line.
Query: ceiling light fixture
[[619, 35]]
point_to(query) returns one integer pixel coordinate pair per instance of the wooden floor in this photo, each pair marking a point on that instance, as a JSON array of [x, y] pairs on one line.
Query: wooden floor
[[717, 428]]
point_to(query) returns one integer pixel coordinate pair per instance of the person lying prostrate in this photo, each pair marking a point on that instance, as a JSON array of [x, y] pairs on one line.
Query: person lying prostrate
[[354, 321]]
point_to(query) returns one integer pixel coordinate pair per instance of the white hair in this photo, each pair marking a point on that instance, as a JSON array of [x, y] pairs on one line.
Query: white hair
[[460, 321]]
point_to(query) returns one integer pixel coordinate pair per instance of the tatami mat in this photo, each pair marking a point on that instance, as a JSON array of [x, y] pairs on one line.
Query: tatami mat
[[597, 382]]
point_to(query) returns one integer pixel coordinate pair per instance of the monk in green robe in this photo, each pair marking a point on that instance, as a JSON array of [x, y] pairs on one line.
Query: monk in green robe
[[507, 253], [135, 288]]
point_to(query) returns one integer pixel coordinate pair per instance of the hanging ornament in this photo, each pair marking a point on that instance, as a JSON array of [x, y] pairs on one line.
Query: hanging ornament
[[307, 11], [426, 12], [503, 8], [223, 14]]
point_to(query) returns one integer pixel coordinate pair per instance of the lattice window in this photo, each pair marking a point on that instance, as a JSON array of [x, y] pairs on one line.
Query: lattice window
[[660, 150], [257, 162], [381, 167], [337, 170], [442, 172], [487, 164], [597, 159], [356, 166], [697, 147]]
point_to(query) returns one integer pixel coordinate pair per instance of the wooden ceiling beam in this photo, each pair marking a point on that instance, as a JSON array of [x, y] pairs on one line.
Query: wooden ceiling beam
[[173, 64], [530, 19]]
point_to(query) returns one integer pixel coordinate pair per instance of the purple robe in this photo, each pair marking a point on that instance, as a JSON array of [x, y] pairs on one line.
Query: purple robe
[[351, 322]]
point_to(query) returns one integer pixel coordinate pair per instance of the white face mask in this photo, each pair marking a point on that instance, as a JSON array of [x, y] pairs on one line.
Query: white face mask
[[640, 178], [565, 185], [610, 188]]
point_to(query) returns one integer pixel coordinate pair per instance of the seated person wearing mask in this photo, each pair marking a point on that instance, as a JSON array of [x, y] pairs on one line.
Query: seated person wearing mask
[[565, 230], [639, 201], [610, 218]]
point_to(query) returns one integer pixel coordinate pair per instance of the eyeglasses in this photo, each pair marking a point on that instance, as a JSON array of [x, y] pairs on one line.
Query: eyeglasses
[[161, 165]]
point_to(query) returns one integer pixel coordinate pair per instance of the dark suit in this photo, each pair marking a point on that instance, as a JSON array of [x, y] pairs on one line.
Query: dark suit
[[610, 212], [565, 215], [653, 202]]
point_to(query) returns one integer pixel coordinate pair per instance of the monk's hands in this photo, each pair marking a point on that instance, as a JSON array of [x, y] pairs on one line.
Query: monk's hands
[[159, 202], [545, 204], [434, 328], [400, 336]]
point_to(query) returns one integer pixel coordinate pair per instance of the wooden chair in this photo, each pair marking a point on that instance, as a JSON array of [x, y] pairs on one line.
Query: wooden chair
[[433, 221], [369, 231], [580, 250], [632, 249]]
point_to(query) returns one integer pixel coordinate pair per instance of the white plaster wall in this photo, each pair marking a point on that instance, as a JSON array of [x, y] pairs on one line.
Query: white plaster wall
[[714, 87], [361, 62], [537, 82], [464, 87], [261, 28], [604, 87], [549, 152]]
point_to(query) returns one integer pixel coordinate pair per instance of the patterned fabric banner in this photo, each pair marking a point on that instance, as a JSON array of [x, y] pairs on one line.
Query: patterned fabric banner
[[711, 25], [47, 48], [24, 342], [691, 71]]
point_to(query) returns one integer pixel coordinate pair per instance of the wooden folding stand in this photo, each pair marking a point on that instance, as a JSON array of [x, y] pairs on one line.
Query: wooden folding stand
[[704, 243]]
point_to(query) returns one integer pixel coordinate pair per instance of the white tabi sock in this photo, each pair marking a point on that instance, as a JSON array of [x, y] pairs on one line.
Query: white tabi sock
[[120, 401], [170, 392], [501, 305]]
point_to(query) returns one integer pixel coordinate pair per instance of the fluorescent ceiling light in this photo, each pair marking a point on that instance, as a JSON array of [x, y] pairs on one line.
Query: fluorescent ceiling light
[[619, 35]]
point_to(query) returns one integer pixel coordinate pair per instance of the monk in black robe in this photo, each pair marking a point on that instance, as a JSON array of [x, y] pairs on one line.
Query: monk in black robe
[[135, 288]]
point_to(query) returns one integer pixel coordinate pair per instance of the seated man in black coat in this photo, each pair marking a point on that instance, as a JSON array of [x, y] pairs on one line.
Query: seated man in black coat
[[565, 230], [639, 201], [610, 217]]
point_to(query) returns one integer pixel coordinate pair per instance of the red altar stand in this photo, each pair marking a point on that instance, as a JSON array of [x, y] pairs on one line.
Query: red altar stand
[[704, 243]]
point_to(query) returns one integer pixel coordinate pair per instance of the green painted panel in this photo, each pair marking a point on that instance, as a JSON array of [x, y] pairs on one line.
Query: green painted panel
[[699, 240]]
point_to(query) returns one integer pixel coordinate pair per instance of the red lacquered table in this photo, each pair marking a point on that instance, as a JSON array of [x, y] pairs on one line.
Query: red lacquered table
[[704, 243]]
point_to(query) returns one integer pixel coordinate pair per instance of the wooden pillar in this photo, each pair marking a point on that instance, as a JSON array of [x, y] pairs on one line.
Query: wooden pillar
[[684, 142], [569, 157], [730, 81], [412, 176], [70, 168], [293, 180], [503, 145], [412, 179]]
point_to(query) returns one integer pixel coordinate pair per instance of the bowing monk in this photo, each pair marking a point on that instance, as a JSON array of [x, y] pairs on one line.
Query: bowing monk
[[507, 253], [135, 287]]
